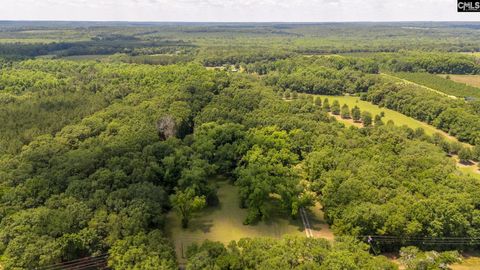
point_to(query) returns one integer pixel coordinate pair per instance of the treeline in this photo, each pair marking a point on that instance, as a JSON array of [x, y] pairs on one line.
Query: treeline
[[286, 253], [91, 47], [232, 55], [454, 117], [436, 63], [318, 75], [444, 85], [300, 253]]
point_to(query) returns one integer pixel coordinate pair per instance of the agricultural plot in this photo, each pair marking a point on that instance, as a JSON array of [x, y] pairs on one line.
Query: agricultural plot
[[472, 80], [444, 85]]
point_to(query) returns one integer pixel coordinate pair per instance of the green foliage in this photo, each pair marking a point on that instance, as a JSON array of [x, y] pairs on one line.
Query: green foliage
[[142, 252], [286, 253], [414, 259], [266, 169], [356, 114], [436, 63], [320, 75], [345, 112], [367, 119], [335, 107], [326, 105], [453, 116], [465, 155], [107, 177], [186, 203]]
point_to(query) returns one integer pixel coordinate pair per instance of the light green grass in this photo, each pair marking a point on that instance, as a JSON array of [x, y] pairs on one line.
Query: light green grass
[[225, 223], [398, 118], [470, 171], [470, 262]]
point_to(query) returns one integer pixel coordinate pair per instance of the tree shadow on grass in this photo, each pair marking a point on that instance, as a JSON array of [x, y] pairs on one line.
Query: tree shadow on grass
[[202, 221]]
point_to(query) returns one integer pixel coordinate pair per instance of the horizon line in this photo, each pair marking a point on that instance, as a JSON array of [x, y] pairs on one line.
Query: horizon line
[[239, 22]]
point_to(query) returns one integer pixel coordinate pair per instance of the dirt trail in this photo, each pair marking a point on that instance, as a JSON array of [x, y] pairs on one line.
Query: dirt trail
[[315, 223]]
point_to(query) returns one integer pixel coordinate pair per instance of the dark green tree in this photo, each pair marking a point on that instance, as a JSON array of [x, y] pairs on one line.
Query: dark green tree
[[326, 105], [356, 114], [366, 119], [345, 112], [335, 107]]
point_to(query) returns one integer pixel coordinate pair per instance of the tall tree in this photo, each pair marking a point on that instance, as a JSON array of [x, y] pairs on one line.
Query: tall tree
[[356, 114], [345, 112], [186, 203], [366, 119], [336, 107]]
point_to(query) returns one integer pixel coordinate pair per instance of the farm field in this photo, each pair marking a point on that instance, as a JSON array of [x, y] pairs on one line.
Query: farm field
[[472, 80], [449, 87], [398, 79]]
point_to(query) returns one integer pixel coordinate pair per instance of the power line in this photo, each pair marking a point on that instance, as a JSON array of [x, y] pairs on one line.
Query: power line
[[79, 264]]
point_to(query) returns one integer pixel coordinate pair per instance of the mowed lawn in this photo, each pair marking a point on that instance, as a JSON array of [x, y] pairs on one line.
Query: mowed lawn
[[224, 223]]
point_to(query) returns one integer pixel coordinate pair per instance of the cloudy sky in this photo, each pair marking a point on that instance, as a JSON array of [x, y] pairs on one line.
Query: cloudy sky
[[234, 10]]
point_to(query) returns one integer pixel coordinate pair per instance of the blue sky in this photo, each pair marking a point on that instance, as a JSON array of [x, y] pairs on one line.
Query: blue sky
[[234, 11]]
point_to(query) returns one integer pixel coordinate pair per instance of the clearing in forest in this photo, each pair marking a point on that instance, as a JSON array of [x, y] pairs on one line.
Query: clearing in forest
[[224, 223], [398, 118]]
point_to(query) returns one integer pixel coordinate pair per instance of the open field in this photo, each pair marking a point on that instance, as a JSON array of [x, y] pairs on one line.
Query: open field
[[432, 81], [398, 118], [404, 80], [224, 223], [472, 80]]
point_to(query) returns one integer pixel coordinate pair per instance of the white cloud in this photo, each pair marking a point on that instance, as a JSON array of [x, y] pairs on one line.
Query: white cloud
[[233, 10]]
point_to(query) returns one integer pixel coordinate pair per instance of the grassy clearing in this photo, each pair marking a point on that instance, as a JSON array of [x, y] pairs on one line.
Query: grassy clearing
[[224, 223], [470, 262], [472, 80], [398, 118]]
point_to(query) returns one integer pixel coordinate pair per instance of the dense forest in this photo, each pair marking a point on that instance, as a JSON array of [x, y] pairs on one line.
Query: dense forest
[[96, 151]]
